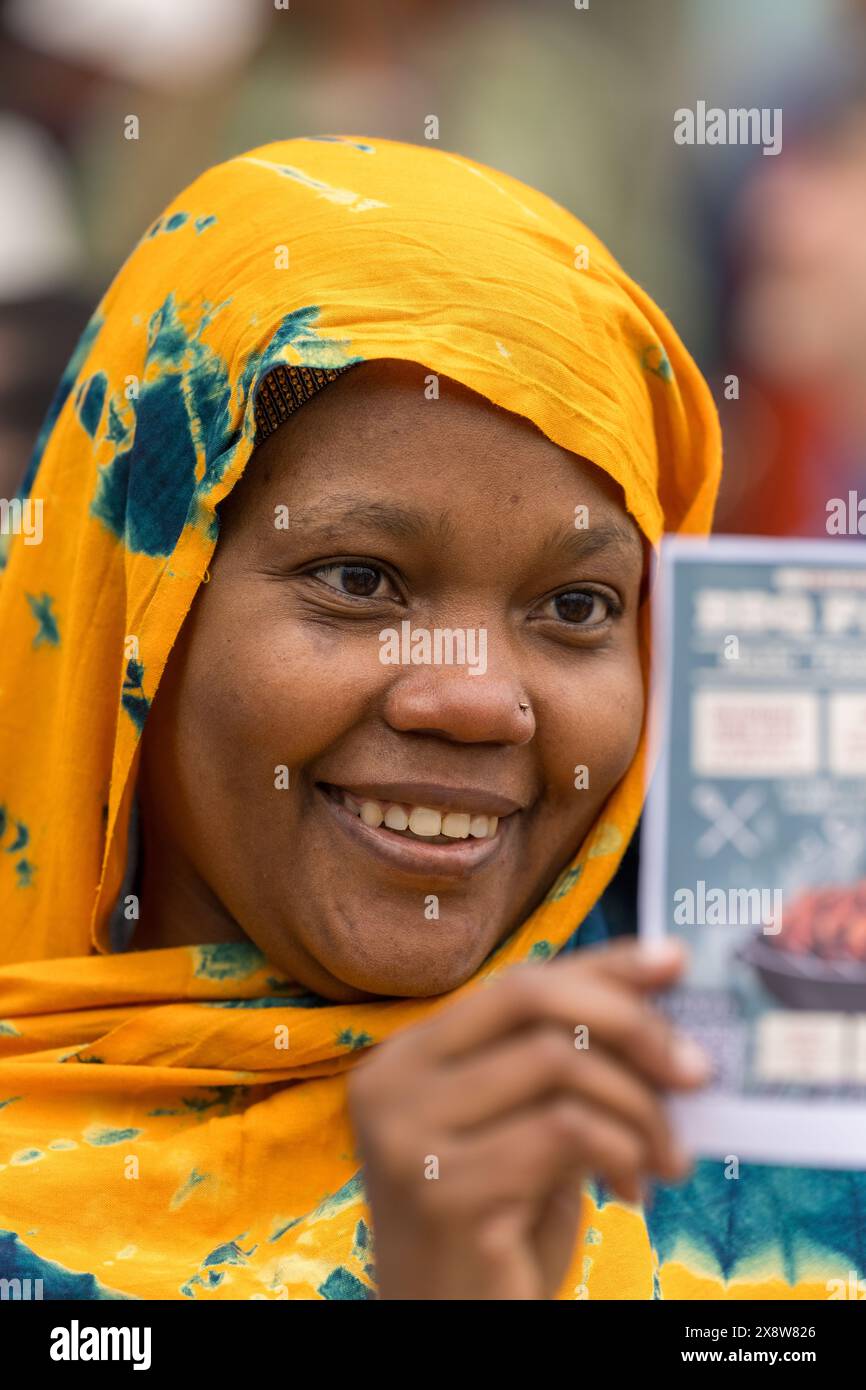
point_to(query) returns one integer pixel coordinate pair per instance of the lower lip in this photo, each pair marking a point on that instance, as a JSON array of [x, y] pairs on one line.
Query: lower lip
[[460, 860]]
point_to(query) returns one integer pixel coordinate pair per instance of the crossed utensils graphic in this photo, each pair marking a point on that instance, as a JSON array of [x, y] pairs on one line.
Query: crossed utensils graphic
[[728, 823]]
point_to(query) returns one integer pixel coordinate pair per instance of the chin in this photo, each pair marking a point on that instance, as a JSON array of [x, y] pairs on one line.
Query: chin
[[408, 971], [408, 985]]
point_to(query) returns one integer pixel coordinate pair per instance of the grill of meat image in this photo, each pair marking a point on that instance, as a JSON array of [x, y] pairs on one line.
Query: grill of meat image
[[818, 960]]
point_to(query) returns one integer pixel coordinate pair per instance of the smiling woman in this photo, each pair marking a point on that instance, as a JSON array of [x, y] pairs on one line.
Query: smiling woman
[[281, 656], [260, 860]]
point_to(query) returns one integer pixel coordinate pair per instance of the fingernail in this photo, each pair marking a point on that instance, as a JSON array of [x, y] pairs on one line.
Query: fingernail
[[659, 950], [691, 1061]]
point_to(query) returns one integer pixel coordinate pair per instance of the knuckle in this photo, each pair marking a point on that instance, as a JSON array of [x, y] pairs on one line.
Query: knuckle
[[591, 1136], [375, 1090], [434, 1201], [666, 1042], [363, 1084], [637, 1026], [552, 1054], [524, 989], [661, 1038], [652, 1117], [397, 1157], [495, 1241], [565, 1122], [615, 1149], [628, 1154]]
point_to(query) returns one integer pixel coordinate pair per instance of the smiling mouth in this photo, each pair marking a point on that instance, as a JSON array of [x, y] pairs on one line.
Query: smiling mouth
[[422, 824]]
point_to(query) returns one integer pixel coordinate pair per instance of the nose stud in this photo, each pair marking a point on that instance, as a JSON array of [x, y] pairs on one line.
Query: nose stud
[[523, 705]]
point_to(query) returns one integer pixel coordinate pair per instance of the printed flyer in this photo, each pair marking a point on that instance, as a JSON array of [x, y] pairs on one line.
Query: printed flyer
[[753, 848]]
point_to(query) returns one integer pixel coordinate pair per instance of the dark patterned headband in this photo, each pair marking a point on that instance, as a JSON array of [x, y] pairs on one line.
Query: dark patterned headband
[[285, 389]]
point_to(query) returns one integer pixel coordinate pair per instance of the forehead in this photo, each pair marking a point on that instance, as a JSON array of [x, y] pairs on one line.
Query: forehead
[[399, 444]]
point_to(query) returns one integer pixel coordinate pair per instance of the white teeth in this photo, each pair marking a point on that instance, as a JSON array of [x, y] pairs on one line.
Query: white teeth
[[422, 821], [396, 818]]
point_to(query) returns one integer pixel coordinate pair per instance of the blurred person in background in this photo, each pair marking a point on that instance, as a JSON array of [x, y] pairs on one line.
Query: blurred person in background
[[784, 261], [796, 326]]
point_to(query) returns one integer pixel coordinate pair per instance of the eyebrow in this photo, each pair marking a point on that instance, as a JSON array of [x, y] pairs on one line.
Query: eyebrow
[[326, 520], [581, 545]]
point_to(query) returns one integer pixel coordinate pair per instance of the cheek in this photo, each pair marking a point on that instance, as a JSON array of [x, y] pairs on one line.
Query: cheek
[[595, 723], [276, 692]]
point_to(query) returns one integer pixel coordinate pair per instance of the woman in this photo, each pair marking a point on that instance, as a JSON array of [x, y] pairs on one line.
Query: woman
[[323, 702]]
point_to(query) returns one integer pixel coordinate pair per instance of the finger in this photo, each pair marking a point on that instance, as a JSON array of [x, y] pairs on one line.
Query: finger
[[529, 1153], [516, 998], [556, 1230], [530, 1067], [646, 964], [609, 1011]]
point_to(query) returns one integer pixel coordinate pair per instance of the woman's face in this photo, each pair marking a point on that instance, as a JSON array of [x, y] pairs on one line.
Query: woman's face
[[374, 525]]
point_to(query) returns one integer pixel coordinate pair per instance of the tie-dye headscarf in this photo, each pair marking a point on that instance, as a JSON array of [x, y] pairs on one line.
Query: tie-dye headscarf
[[148, 1143]]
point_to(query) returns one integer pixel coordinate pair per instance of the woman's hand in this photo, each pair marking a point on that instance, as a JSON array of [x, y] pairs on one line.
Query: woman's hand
[[477, 1128]]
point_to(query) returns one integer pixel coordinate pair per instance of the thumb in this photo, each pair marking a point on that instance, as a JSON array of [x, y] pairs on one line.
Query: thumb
[[645, 964]]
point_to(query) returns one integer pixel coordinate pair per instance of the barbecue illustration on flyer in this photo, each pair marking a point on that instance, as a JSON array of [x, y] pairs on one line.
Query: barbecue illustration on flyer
[[753, 848]]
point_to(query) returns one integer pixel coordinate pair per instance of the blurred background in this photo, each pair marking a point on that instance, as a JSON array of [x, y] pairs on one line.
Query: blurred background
[[760, 261]]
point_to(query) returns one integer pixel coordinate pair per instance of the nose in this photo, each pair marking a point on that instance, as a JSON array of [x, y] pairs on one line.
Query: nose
[[449, 703]]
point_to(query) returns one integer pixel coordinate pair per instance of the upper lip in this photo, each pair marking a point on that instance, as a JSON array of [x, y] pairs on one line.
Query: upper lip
[[434, 795]]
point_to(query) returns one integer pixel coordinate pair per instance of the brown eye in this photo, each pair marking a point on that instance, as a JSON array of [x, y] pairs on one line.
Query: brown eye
[[358, 581], [581, 606]]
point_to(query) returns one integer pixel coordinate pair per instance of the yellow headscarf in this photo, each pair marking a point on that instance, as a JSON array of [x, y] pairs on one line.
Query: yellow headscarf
[[148, 1143]]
